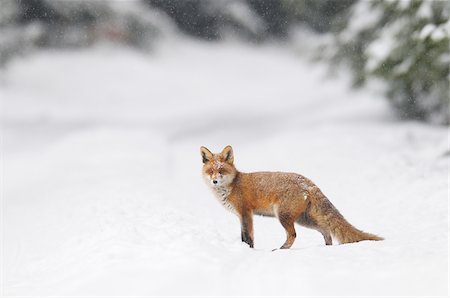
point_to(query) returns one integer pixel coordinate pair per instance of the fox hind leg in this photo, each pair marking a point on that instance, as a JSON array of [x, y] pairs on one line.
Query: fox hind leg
[[327, 237], [288, 224], [307, 221]]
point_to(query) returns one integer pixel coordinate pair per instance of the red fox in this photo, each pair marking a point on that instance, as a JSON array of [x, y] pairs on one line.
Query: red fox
[[290, 197]]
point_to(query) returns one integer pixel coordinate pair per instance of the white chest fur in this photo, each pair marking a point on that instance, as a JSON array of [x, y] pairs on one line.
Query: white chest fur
[[222, 194]]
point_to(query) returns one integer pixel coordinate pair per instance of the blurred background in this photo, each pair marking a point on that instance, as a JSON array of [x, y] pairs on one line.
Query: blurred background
[[105, 104], [403, 44]]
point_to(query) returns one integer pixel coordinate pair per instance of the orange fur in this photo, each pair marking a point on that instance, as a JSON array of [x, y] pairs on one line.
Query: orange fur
[[291, 197]]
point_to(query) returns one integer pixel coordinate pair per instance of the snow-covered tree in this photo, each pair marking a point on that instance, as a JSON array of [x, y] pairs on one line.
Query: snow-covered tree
[[15, 39], [405, 44], [28, 24], [214, 20], [319, 15]]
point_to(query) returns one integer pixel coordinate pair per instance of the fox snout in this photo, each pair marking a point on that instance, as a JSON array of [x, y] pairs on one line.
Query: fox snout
[[216, 180]]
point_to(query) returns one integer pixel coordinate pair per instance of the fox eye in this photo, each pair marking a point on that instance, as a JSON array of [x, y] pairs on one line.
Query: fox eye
[[220, 172]]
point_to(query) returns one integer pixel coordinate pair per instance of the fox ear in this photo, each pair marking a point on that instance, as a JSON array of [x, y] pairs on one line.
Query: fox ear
[[227, 154], [206, 154]]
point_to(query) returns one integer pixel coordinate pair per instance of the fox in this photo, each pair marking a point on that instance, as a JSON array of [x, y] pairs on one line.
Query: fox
[[290, 197]]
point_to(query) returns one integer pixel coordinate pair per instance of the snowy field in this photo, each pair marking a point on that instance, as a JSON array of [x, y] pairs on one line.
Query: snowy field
[[102, 191]]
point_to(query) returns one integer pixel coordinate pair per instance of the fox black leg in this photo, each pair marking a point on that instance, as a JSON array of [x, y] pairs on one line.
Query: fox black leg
[[247, 229]]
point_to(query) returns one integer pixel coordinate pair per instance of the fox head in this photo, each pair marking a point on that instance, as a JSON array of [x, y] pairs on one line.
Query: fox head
[[218, 169]]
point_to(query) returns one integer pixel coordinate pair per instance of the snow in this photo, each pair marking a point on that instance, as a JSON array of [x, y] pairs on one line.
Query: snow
[[364, 15], [241, 12], [103, 194], [427, 30]]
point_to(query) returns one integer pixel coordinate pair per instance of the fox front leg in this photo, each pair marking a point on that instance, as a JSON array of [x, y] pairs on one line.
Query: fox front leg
[[247, 229]]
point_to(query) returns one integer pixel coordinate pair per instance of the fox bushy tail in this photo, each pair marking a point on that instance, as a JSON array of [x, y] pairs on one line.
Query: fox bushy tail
[[331, 220], [344, 232]]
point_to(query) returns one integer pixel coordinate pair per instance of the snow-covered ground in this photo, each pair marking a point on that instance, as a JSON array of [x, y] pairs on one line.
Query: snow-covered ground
[[102, 191]]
